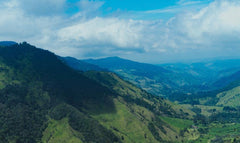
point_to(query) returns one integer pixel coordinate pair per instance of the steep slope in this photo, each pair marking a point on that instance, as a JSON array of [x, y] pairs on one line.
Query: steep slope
[[138, 114], [145, 113], [229, 98], [227, 93], [37, 87], [40, 96]]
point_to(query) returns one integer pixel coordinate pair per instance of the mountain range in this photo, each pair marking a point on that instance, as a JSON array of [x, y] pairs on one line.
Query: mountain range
[[170, 80], [51, 99], [44, 100]]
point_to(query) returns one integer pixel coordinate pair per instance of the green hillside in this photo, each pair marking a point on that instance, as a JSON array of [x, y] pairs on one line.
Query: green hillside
[[143, 112], [196, 121], [230, 97], [43, 100], [36, 87]]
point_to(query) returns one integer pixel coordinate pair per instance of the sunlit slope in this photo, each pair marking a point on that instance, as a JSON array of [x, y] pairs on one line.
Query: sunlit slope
[[44, 100], [141, 116], [230, 97]]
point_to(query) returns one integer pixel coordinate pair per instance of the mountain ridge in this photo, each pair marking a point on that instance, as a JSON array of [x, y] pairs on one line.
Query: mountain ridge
[[40, 95]]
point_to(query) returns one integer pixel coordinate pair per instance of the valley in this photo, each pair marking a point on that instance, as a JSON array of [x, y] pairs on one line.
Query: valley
[[209, 90], [50, 99], [120, 71]]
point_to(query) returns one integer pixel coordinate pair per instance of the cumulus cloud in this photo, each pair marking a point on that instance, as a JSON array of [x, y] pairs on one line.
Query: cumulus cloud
[[104, 31], [212, 30], [216, 24]]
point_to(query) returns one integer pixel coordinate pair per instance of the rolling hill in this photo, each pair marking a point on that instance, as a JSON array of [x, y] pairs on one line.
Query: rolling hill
[[211, 109], [44, 100], [174, 81]]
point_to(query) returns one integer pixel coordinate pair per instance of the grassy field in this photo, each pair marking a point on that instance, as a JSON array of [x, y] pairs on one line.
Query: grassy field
[[220, 133], [60, 132], [230, 97], [205, 110], [126, 125], [177, 124]]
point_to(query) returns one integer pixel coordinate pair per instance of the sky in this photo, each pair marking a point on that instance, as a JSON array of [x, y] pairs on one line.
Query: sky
[[152, 31]]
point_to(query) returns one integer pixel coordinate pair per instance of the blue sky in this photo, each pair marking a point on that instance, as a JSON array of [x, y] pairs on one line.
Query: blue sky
[[153, 31], [138, 5], [134, 5]]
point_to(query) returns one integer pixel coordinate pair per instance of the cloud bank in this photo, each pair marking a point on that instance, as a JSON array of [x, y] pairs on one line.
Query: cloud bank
[[212, 30]]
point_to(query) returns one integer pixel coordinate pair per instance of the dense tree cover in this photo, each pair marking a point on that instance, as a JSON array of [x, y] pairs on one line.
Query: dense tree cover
[[35, 86], [43, 82], [38, 86], [90, 128], [21, 119], [154, 131]]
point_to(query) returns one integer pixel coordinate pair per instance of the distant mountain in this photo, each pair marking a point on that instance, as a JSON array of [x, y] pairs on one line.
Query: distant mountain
[[151, 78], [116, 63], [207, 72], [7, 43], [81, 65], [44, 100], [228, 80], [229, 94], [173, 80], [167, 79]]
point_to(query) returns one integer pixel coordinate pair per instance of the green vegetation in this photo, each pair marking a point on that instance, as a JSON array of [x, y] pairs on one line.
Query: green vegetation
[[44, 100], [35, 82], [193, 120], [178, 124], [59, 131], [230, 97], [126, 124], [220, 133], [175, 81]]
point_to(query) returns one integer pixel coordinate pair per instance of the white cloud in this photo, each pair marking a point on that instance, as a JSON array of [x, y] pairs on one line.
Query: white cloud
[[219, 21], [214, 29], [104, 31]]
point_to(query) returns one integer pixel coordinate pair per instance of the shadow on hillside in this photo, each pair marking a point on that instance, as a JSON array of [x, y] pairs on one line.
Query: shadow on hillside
[[32, 64]]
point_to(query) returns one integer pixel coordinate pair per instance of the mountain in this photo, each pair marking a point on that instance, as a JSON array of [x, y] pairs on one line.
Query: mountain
[[137, 68], [38, 90], [7, 43], [44, 100], [229, 98], [152, 78], [227, 80], [214, 122], [230, 92], [175, 81], [81, 65]]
